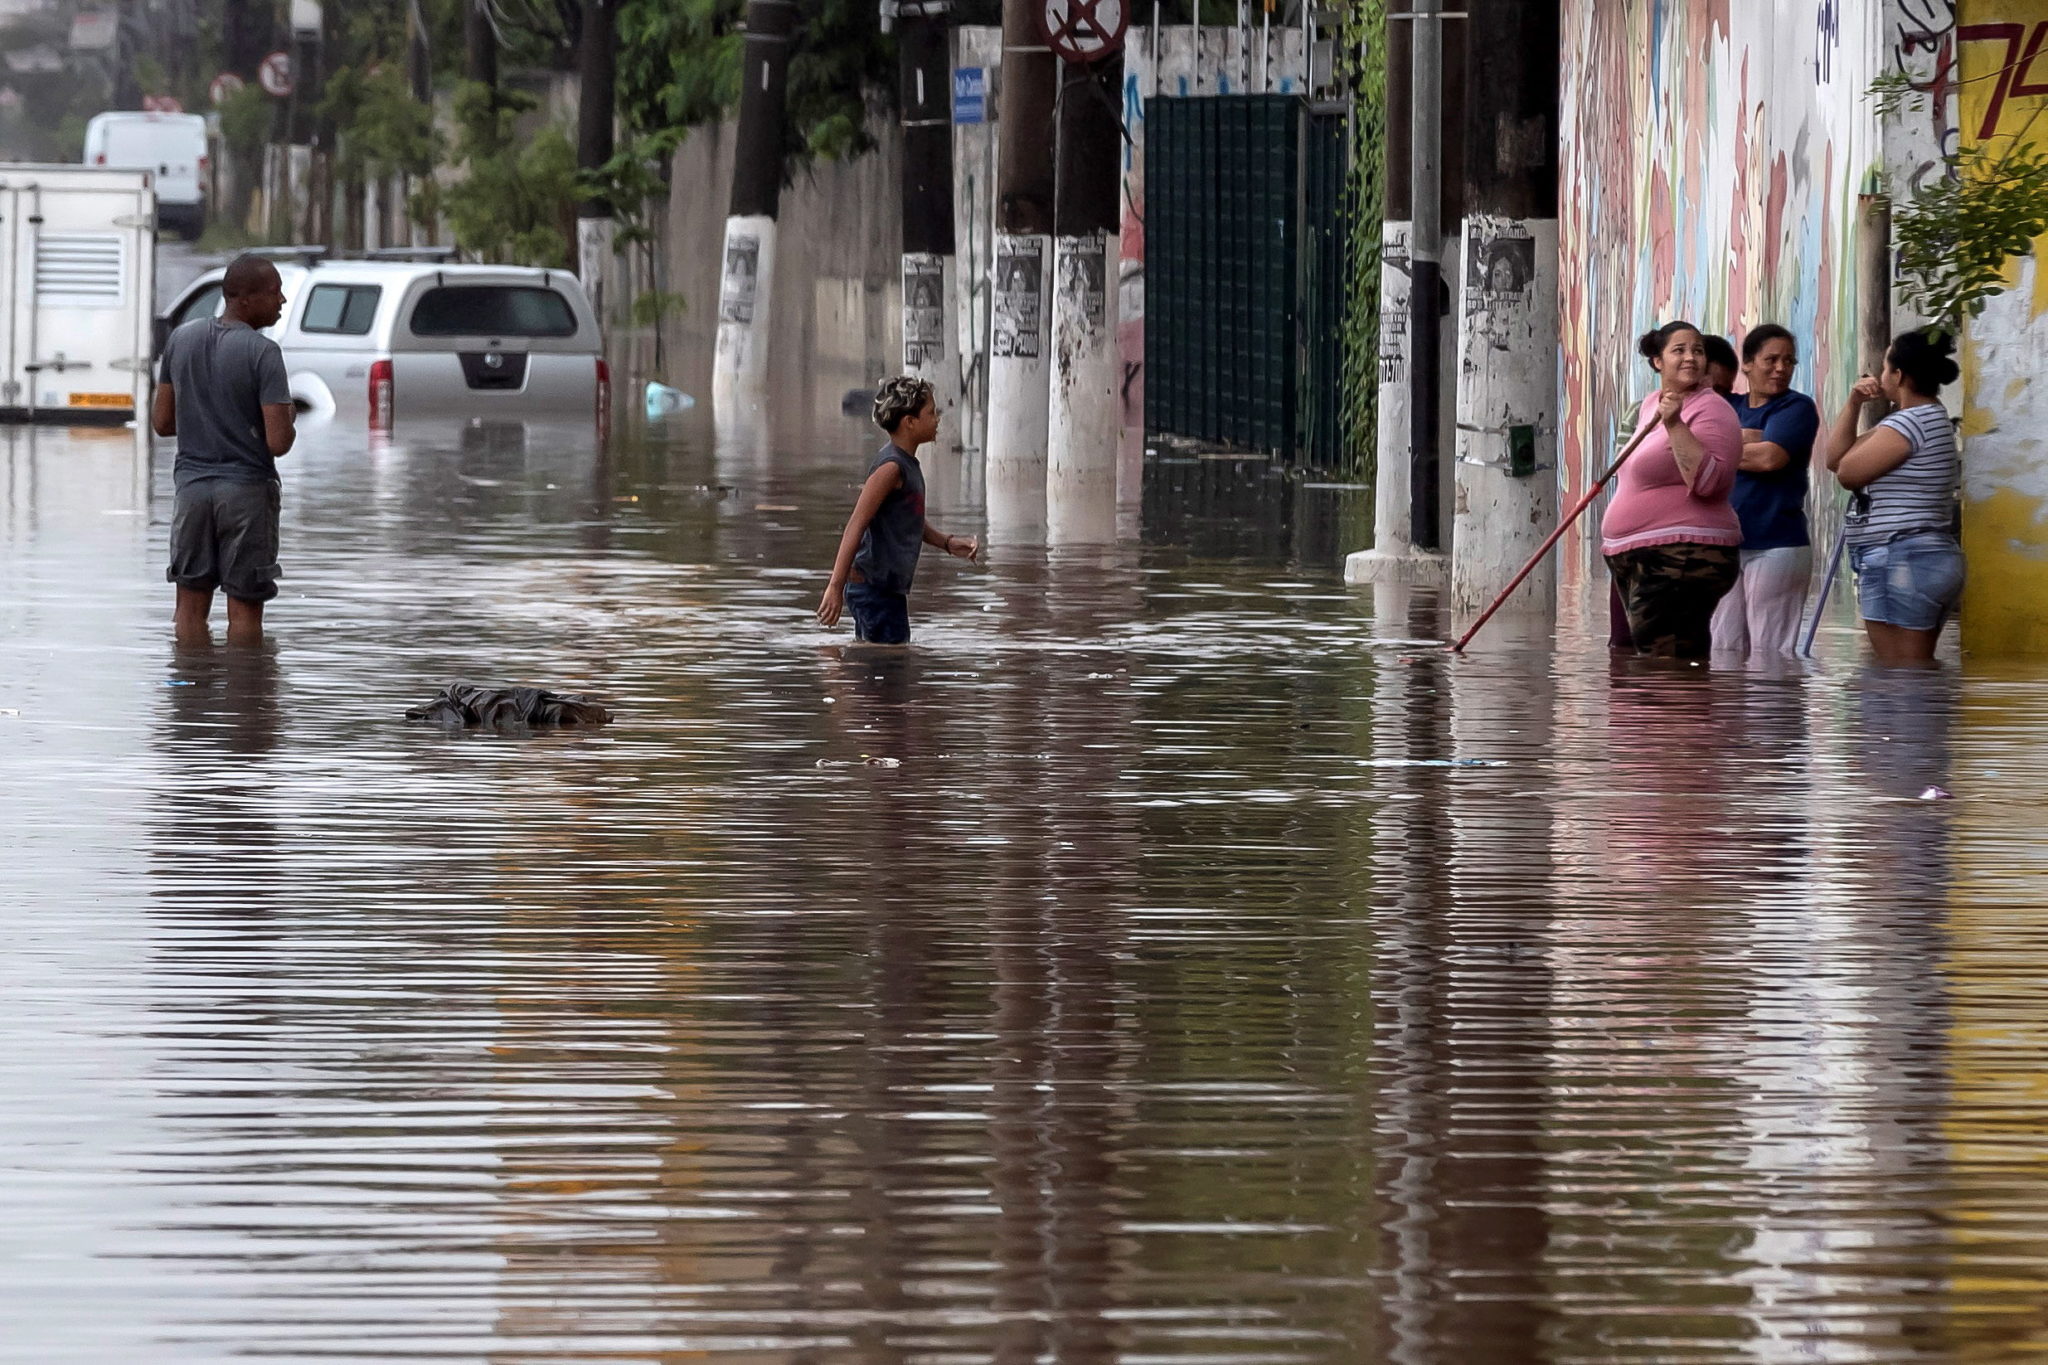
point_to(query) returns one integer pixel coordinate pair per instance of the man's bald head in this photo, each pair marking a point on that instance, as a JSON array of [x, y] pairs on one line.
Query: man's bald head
[[254, 291], [248, 274]]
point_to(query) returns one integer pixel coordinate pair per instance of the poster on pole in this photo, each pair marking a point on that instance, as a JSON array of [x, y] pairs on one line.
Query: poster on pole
[[1083, 282], [924, 311], [742, 273], [1020, 299]]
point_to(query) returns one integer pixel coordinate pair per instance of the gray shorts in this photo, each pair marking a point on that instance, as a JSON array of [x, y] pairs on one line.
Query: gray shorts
[[224, 535]]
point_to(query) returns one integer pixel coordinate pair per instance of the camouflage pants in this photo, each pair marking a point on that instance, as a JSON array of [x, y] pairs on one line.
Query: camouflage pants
[[1670, 592]]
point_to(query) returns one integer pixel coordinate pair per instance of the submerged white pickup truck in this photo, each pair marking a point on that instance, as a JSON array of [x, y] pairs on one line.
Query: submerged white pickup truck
[[396, 338]]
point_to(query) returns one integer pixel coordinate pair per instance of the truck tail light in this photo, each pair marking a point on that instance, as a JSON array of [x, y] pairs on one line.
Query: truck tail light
[[100, 160], [380, 394], [604, 394]]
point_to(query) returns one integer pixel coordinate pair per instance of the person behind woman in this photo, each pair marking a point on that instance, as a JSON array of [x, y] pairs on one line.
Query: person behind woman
[[1721, 366], [1670, 536], [1761, 615], [1901, 524]]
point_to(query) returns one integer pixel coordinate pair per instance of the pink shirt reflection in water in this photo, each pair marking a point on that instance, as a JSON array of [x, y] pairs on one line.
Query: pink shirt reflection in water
[[1652, 505]]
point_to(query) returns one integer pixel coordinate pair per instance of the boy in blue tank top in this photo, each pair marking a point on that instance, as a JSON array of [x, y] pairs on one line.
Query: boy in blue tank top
[[878, 552]]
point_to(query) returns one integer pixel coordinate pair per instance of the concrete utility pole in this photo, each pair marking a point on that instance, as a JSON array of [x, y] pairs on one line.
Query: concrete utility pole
[[1425, 277], [1084, 415], [1018, 382], [597, 52], [1507, 349], [1393, 558], [419, 65], [302, 106], [931, 282], [480, 46], [746, 292]]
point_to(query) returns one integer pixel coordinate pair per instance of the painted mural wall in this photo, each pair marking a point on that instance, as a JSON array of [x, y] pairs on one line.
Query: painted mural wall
[[2002, 94], [1712, 155]]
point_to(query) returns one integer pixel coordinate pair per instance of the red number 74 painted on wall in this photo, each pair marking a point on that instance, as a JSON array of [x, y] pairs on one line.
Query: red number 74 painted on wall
[[2014, 71]]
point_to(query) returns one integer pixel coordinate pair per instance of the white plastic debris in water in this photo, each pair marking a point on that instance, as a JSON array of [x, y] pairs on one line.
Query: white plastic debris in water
[[663, 400], [1937, 794]]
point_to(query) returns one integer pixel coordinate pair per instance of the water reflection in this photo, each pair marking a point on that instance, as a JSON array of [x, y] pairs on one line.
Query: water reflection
[[1165, 959]]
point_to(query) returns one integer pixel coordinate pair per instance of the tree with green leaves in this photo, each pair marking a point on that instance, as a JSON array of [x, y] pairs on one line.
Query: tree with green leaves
[[1957, 233]]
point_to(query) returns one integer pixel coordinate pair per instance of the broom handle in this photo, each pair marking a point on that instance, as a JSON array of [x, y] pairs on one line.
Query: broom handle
[[1555, 536], [1820, 606]]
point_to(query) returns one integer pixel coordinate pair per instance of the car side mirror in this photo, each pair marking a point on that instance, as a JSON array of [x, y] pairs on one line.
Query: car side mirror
[[159, 333]]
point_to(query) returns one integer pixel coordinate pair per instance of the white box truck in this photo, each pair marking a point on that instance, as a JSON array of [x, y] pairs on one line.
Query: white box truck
[[77, 294], [171, 147]]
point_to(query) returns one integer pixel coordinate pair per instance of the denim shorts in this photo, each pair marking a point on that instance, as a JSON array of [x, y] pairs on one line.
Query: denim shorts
[[879, 618], [1911, 582]]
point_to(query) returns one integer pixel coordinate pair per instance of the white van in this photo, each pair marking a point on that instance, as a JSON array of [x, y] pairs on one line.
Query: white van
[[77, 284], [396, 338], [171, 147]]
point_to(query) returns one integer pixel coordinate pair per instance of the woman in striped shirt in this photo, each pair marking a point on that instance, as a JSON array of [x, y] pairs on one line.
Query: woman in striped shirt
[[1901, 523]]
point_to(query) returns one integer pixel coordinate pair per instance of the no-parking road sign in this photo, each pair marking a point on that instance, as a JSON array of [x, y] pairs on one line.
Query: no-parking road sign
[[275, 75], [1083, 31]]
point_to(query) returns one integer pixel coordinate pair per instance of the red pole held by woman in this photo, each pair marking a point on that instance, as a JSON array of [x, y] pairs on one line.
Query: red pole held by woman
[[1562, 526]]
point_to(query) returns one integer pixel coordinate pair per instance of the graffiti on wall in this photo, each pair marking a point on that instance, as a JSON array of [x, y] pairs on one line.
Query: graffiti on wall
[[1729, 200], [2002, 89], [2013, 75], [1921, 45]]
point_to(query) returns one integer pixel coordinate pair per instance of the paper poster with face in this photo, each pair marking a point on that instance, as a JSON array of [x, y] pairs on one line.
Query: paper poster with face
[[1020, 300], [1498, 269], [1083, 279], [924, 312], [742, 272]]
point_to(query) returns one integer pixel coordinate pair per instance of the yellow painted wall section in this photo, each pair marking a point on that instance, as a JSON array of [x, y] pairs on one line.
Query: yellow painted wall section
[[1997, 984], [2002, 50]]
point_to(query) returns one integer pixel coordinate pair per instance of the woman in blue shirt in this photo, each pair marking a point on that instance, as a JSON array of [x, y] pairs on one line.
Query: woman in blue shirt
[[1761, 614]]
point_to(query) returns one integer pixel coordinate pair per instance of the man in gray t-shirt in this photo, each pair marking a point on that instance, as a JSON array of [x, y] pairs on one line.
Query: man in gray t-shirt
[[223, 393]]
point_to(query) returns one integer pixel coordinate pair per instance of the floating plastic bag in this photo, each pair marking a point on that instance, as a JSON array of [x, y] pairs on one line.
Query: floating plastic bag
[[663, 400]]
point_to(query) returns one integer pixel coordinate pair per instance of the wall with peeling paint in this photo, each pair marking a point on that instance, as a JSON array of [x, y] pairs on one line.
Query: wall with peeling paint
[[2002, 61], [1712, 153]]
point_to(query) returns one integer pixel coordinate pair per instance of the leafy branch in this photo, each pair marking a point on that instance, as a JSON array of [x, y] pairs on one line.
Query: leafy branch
[[633, 183], [1957, 234], [1955, 237]]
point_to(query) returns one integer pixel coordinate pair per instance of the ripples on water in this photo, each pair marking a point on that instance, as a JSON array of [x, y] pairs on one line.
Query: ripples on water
[[1161, 963]]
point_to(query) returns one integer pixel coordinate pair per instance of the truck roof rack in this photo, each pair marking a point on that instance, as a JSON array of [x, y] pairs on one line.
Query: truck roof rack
[[307, 255], [431, 254]]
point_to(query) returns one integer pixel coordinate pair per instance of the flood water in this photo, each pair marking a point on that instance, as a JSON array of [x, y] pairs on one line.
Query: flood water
[[1161, 962]]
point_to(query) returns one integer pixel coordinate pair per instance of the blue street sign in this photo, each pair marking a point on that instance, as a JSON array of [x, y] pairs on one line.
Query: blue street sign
[[970, 95]]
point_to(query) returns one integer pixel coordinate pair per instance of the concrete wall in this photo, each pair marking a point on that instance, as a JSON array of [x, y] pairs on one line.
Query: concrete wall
[[836, 317], [1712, 154], [2002, 88]]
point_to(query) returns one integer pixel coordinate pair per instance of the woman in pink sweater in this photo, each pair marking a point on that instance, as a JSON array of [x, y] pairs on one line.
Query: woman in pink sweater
[[1669, 535]]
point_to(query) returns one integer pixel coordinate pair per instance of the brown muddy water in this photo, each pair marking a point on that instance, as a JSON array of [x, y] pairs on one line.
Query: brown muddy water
[[1162, 962]]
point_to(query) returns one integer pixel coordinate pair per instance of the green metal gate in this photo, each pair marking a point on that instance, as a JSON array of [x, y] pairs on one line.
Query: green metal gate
[[1244, 273]]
